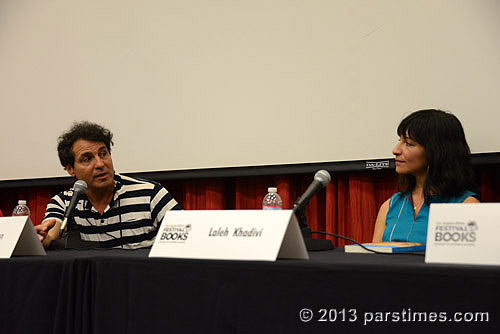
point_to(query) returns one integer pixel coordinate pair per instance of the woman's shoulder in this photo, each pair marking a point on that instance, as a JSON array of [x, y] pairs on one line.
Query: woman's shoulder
[[470, 197], [466, 194], [396, 197], [460, 198]]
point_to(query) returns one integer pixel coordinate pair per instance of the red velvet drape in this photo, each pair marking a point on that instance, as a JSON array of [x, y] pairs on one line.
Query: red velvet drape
[[347, 206]]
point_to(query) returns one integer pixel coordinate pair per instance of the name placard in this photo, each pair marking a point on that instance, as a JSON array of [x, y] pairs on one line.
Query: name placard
[[18, 237], [230, 235], [464, 234]]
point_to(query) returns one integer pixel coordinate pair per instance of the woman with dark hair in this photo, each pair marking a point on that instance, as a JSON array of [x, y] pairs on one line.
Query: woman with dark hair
[[434, 166]]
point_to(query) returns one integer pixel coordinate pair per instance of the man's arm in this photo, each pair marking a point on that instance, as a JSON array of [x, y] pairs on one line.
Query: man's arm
[[161, 202], [48, 231]]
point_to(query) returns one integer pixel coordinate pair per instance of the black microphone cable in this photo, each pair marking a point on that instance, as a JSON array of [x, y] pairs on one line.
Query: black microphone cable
[[368, 249]]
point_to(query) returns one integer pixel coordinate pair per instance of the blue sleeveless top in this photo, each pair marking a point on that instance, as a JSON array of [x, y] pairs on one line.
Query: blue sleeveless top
[[400, 223]]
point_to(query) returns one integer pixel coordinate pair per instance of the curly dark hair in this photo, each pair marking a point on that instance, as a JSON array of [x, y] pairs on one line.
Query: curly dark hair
[[447, 152], [81, 130]]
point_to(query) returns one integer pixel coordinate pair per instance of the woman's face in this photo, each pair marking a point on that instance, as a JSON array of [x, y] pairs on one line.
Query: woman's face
[[410, 157]]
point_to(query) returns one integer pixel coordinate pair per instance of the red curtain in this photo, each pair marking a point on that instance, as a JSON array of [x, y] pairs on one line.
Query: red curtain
[[348, 206], [37, 199], [490, 183]]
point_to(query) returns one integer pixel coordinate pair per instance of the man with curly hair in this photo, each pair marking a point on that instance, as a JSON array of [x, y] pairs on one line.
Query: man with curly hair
[[116, 211]]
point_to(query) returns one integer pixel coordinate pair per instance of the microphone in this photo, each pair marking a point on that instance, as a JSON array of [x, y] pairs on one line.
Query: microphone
[[321, 179], [78, 190]]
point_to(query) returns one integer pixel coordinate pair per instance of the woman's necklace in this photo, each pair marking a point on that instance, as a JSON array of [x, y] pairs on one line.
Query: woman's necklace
[[416, 205]]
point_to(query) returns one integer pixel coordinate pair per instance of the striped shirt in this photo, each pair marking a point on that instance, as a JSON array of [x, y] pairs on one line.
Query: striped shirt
[[130, 220]]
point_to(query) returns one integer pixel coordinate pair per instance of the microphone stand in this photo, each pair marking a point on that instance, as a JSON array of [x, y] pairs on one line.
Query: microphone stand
[[311, 244]]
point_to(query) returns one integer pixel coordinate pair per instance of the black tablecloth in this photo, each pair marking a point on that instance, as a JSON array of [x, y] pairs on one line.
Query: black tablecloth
[[119, 291]]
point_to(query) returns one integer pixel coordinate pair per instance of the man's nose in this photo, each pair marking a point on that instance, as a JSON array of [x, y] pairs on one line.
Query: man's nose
[[99, 163]]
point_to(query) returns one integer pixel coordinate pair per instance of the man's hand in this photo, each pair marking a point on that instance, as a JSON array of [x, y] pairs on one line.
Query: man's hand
[[43, 231]]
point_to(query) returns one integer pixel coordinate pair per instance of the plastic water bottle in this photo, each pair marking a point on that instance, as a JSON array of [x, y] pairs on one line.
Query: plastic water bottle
[[272, 201], [21, 209]]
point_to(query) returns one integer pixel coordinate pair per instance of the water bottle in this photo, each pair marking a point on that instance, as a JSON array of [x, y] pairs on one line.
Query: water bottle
[[272, 201], [21, 209]]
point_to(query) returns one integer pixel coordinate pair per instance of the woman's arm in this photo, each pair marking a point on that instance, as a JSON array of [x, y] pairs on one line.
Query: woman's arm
[[471, 199], [380, 222]]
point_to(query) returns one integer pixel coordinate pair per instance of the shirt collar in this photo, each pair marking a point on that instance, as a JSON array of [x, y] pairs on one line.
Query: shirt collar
[[117, 191]]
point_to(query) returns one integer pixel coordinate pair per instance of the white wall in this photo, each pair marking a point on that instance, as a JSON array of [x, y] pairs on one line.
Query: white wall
[[197, 84]]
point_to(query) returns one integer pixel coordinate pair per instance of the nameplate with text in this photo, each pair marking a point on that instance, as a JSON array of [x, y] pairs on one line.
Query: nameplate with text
[[230, 235], [464, 233], [18, 237]]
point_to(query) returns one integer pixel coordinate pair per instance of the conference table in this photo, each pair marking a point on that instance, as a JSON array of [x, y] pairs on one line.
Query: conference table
[[125, 291]]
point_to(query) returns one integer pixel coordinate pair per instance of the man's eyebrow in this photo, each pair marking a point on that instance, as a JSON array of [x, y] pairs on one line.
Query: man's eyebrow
[[85, 154]]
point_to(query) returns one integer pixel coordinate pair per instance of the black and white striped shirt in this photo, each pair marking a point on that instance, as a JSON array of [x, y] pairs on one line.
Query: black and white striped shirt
[[131, 219]]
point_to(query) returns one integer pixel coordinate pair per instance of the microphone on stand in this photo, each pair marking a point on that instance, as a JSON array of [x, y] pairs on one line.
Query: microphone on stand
[[78, 190], [321, 179]]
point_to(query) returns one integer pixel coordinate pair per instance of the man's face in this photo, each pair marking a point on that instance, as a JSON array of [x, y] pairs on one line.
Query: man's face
[[93, 164]]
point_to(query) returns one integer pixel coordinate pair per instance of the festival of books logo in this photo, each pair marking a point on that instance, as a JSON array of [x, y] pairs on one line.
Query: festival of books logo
[[458, 233], [175, 233]]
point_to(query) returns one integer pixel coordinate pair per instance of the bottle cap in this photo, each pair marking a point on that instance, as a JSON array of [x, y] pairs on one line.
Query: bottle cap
[[272, 189], [21, 202]]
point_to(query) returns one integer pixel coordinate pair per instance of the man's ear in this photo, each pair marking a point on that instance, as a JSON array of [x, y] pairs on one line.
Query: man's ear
[[70, 170]]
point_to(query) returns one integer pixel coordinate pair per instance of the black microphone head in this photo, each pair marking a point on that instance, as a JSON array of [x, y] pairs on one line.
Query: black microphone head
[[80, 186], [323, 177]]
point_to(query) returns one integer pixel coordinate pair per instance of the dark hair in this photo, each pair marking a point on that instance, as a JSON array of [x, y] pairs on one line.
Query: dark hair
[[448, 155], [82, 130]]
